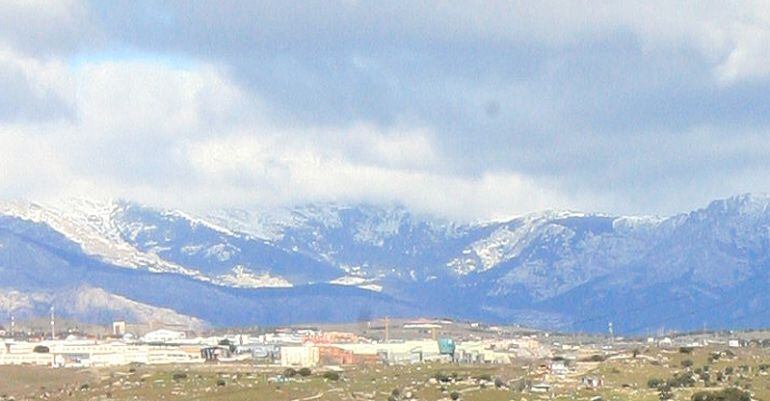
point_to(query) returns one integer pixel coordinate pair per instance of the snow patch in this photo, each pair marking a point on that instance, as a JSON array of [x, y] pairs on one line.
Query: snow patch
[[242, 277]]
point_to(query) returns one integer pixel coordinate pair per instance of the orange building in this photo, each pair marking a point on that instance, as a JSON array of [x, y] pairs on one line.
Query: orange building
[[331, 355]]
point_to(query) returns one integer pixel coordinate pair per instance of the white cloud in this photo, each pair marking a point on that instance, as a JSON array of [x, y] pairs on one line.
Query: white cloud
[[146, 98], [278, 170], [187, 137], [172, 127], [47, 27], [32, 88]]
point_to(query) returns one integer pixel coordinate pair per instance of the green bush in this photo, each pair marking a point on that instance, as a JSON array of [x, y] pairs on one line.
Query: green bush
[[655, 382], [681, 380], [333, 376], [441, 377], [305, 372], [486, 377], [728, 394], [455, 395], [289, 372]]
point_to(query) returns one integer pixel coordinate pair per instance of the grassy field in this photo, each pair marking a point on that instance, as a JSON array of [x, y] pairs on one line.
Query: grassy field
[[625, 377]]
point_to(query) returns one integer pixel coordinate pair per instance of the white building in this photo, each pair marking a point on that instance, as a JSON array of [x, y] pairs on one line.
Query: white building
[[164, 336], [299, 356]]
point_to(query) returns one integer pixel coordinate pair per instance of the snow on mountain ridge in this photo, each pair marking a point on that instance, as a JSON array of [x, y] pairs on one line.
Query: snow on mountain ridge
[[271, 224], [242, 277], [91, 225], [506, 242]]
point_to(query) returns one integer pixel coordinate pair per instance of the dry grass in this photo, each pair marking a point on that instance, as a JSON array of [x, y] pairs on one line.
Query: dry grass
[[625, 379]]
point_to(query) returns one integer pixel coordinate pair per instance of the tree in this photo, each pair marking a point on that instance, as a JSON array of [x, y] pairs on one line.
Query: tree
[[289, 372], [305, 372], [41, 349]]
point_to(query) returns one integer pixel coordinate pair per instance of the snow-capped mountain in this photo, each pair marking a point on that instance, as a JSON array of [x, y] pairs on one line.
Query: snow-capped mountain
[[564, 270], [133, 236], [364, 241]]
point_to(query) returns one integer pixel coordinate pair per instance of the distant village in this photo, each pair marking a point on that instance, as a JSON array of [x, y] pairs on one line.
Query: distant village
[[388, 342]]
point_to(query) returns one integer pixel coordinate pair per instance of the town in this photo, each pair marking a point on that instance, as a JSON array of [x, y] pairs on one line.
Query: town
[[389, 359]]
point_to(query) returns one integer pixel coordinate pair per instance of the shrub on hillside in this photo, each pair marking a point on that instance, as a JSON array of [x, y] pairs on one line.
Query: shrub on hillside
[[728, 394], [333, 376]]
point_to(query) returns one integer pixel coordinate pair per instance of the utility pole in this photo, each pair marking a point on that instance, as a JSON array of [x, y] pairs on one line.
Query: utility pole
[[53, 324], [13, 325], [612, 333], [387, 329]]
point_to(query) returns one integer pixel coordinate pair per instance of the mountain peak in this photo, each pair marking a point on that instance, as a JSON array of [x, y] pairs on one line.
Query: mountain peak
[[748, 203]]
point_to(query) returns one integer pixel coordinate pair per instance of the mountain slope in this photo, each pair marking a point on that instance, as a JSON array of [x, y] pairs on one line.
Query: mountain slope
[[43, 264], [557, 269]]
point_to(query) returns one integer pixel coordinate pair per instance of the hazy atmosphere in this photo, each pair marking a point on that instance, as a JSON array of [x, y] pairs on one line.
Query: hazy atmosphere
[[470, 110]]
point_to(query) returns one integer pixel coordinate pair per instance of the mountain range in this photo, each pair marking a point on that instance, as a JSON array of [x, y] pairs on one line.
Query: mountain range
[[560, 270]]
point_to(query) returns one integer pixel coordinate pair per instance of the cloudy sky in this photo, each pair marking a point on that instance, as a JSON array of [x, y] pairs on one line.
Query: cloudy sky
[[464, 109]]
